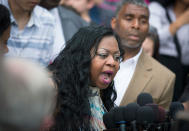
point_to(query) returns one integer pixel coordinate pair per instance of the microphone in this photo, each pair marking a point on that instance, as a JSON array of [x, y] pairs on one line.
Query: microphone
[[163, 119], [161, 114], [109, 120], [174, 109], [122, 117], [130, 114], [119, 118], [160, 117], [144, 98], [155, 110], [145, 117]]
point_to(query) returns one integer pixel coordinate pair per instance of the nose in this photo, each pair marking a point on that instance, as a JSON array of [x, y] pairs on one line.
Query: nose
[[110, 61], [135, 24]]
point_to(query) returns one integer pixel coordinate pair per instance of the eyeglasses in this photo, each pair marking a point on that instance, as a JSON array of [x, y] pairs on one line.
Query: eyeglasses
[[104, 55]]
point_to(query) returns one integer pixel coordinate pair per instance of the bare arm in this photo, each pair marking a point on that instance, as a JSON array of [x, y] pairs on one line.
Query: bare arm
[[182, 20]]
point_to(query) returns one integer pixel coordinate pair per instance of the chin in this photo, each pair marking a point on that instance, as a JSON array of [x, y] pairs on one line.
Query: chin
[[134, 46], [131, 44]]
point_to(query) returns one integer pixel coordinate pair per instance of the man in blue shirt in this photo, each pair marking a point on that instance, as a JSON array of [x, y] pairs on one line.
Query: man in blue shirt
[[32, 30]]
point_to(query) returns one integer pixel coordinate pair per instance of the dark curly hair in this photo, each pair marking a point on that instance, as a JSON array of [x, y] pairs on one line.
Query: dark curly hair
[[4, 19], [71, 72]]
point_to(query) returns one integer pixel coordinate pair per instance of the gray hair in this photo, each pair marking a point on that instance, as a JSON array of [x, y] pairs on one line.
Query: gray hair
[[27, 95], [135, 2]]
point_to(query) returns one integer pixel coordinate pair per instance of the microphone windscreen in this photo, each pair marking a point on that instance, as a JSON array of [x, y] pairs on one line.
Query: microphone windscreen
[[156, 111], [108, 120], [145, 115], [161, 114], [144, 98], [175, 108], [130, 112], [118, 114]]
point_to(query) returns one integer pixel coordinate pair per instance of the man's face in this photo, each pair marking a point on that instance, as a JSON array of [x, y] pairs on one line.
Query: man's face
[[26, 5], [132, 25]]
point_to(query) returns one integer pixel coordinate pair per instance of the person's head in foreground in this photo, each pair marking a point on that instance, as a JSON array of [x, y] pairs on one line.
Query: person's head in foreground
[[27, 97], [89, 62]]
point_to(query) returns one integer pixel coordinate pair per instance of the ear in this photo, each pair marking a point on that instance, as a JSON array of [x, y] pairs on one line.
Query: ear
[[113, 23]]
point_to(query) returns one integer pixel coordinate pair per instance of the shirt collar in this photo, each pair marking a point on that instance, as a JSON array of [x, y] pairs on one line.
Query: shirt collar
[[34, 19], [133, 59], [136, 57]]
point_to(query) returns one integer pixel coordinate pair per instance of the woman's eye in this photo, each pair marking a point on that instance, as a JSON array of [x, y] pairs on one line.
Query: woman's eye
[[117, 58], [102, 55]]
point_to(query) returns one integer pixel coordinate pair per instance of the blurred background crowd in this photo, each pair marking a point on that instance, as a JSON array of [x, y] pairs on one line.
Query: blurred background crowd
[[51, 52]]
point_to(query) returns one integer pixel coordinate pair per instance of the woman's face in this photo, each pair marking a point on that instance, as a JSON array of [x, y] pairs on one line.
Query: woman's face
[[105, 63]]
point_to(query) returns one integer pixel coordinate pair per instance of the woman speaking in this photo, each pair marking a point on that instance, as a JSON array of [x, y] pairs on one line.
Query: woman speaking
[[83, 73]]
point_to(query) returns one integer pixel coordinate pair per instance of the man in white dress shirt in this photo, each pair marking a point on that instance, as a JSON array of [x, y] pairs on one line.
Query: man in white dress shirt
[[138, 71]]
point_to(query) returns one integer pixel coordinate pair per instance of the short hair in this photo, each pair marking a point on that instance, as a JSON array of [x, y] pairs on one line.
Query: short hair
[[26, 95], [4, 19], [135, 2]]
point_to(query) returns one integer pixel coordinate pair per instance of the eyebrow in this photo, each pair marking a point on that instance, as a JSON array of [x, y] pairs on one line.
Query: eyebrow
[[132, 15], [109, 51], [128, 14], [145, 16]]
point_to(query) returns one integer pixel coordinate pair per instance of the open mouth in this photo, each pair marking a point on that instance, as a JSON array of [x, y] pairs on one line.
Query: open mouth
[[107, 77]]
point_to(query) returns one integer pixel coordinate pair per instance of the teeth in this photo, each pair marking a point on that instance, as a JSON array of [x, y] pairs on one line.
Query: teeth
[[106, 78]]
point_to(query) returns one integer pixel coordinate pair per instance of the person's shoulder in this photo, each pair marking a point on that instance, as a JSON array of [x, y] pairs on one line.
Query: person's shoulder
[[155, 4], [156, 7], [67, 13], [161, 69], [44, 15]]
